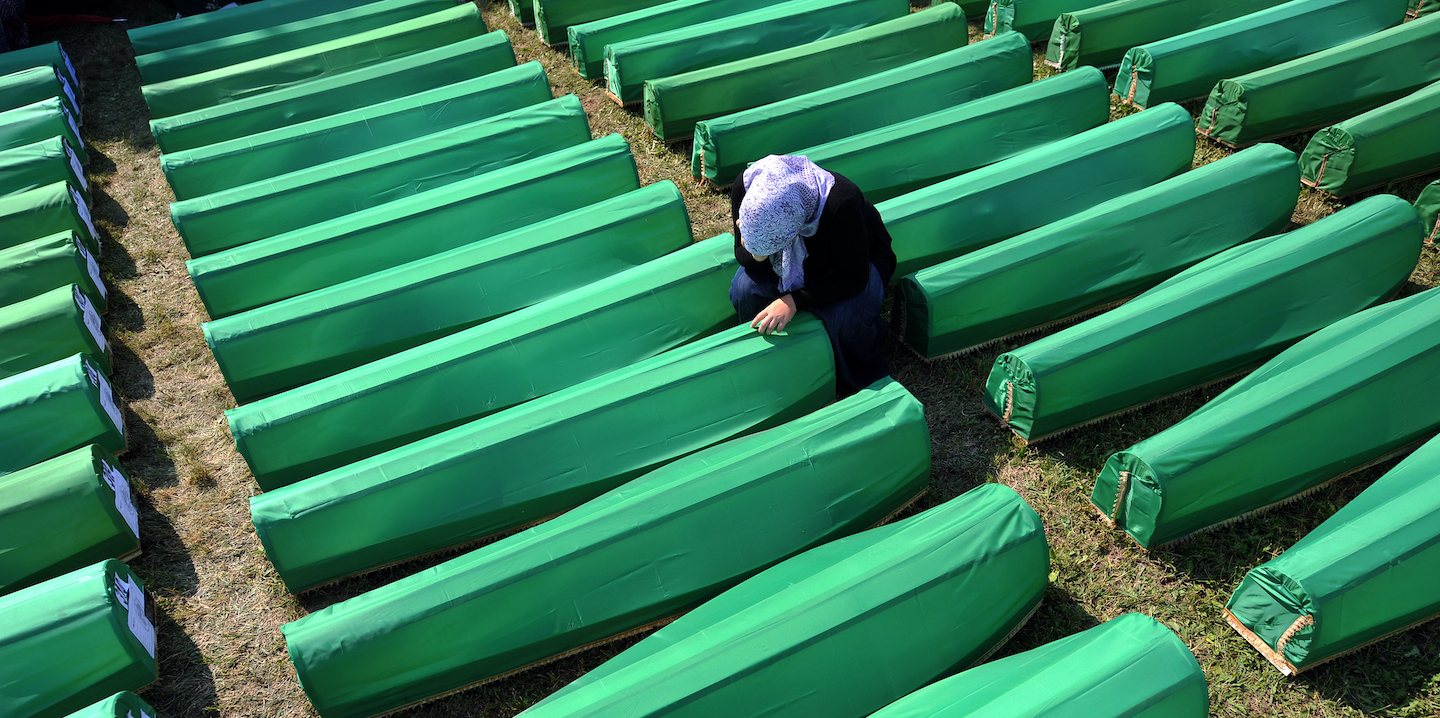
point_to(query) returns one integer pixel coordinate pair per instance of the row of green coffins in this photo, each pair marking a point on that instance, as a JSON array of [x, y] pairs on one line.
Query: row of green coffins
[[56, 408], [588, 40], [1389, 143], [1100, 36], [34, 84]]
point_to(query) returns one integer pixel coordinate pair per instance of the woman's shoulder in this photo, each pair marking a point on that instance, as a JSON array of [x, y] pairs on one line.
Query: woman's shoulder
[[845, 197]]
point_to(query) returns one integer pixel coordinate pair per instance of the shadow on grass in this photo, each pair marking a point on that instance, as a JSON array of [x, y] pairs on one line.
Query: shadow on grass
[[187, 684], [1384, 678]]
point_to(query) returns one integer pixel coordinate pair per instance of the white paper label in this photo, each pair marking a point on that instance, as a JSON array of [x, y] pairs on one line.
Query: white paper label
[[76, 167], [107, 397], [84, 214], [70, 120], [92, 320], [91, 266], [117, 483], [133, 597], [69, 67], [65, 85]]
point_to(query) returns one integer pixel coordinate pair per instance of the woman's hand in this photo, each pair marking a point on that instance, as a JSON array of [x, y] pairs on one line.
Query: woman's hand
[[773, 318]]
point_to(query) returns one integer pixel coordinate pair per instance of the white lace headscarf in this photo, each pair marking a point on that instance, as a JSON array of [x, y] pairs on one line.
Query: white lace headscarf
[[784, 196]]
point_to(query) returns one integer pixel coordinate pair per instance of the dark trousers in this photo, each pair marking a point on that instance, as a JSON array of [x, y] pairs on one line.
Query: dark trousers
[[856, 329]]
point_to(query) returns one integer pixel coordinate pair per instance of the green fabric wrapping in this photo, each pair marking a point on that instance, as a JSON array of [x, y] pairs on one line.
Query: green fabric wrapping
[[899, 158], [608, 567], [857, 622], [543, 457], [299, 340], [49, 54], [1428, 205], [1100, 256], [228, 21], [972, 8], [413, 228], [553, 18], [314, 62], [630, 63], [26, 87], [307, 197], [1100, 36], [458, 61], [56, 408], [245, 46], [1032, 18], [40, 121], [64, 514], [725, 146], [1224, 315], [56, 207], [33, 268], [1325, 87], [1371, 569], [224, 165], [1338, 400], [1421, 8], [557, 343], [1387, 144], [1187, 66], [39, 164], [75, 639], [674, 104], [51, 327], [121, 705], [1131, 665], [963, 214], [588, 40]]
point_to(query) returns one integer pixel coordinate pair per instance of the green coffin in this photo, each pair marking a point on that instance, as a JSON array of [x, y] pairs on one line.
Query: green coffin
[[51, 327], [299, 340], [1223, 316], [1387, 144], [674, 104], [1100, 256], [64, 514], [541, 458], [310, 196], [1323, 88], [840, 630], [56, 408], [224, 165], [75, 639], [1340, 399], [413, 228], [56, 207], [630, 63], [26, 87], [39, 164], [902, 157], [32, 268], [1428, 204], [1032, 18], [523, 11], [49, 54], [613, 565], [41, 121], [1421, 8], [121, 705], [1188, 65], [1131, 666], [241, 47], [229, 21], [1100, 36], [725, 146], [458, 61], [965, 213], [553, 18], [1372, 569], [557, 343], [314, 62], [588, 40]]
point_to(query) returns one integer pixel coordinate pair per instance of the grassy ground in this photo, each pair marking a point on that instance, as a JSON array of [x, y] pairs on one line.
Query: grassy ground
[[221, 604]]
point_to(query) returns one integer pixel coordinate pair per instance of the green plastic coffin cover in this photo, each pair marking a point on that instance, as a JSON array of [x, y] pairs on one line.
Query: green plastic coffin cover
[[50, 327], [64, 514], [542, 457], [1326, 87], [724, 146], [1098, 257], [39, 164], [56, 408], [524, 11], [898, 158], [229, 21], [1387, 144], [49, 54], [840, 630], [1032, 18], [1428, 204], [588, 40], [307, 197], [40, 121], [1372, 569], [557, 343], [674, 104], [56, 207], [299, 340], [607, 567], [121, 705], [1340, 399], [463, 60], [33, 268], [1099, 36], [27, 87], [241, 47], [1187, 66], [1421, 8], [1131, 666], [223, 165], [553, 18], [630, 63], [75, 639], [1222, 316], [415, 227], [1043, 185], [314, 62]]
